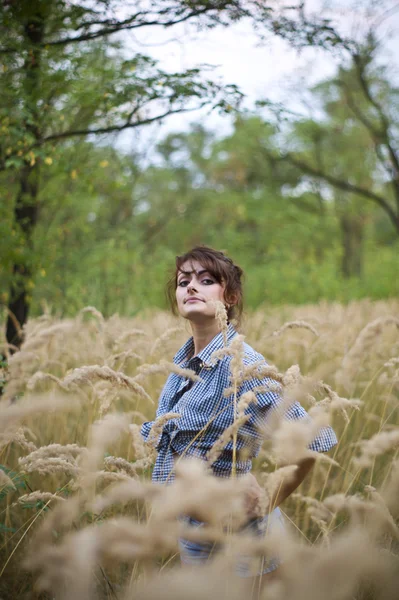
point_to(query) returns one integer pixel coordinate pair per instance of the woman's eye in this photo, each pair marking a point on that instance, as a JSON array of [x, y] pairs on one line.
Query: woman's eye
[[183, 283], [207, 281]]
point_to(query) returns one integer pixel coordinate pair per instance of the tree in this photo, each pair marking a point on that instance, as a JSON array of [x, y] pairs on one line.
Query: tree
[[112, 241], [64, 78], [65, 74], [364, 101], [340, 147]]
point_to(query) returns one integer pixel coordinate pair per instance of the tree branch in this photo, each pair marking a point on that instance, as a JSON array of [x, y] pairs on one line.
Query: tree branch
[[376, 135], [343, 185], [115, 128], [383, 119], [127, 25]]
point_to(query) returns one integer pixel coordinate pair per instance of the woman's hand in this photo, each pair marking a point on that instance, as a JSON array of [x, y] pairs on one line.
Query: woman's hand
[[257, 502], [254, 497]]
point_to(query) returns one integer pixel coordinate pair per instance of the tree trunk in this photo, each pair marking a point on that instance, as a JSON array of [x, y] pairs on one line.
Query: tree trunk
[[26, 212], [27, 207], [352, 231]]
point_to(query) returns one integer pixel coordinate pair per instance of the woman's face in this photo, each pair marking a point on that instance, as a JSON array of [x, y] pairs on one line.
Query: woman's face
[[195, 291]]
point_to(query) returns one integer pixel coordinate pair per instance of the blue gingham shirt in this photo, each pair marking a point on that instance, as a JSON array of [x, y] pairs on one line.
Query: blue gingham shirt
[[205, 413]]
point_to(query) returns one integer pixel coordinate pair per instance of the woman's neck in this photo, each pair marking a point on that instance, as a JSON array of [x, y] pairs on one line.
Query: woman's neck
[[203, 334]]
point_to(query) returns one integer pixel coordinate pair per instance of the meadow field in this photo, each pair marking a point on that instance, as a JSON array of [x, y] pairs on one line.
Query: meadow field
[[81, 520]]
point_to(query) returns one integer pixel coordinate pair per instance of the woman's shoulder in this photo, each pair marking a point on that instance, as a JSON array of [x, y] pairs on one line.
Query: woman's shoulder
[[252, 356]]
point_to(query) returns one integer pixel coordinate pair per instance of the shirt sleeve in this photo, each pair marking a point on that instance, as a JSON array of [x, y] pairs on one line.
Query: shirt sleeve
[[163, 408], [269, 400], [324, 441]]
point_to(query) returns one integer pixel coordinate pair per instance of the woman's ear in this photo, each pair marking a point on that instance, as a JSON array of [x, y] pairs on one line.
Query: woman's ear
[[230, 301]]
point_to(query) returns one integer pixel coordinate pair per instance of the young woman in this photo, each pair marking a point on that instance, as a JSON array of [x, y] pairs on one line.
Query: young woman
[[204, 276]]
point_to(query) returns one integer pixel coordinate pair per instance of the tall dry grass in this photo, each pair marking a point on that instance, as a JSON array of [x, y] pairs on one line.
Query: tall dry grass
[[80, 518]]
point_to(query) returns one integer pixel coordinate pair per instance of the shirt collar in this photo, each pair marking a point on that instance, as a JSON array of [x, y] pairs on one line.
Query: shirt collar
[[186, 351]]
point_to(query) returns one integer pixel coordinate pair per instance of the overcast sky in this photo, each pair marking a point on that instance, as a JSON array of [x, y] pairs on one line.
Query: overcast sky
[[269, 70]]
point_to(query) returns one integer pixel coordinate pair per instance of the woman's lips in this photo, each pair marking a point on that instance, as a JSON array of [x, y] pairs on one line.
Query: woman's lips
[[190, 300]]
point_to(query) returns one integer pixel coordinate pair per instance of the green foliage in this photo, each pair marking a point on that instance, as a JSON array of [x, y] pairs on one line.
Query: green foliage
[[16, 478], [106, 228], [112, 240]]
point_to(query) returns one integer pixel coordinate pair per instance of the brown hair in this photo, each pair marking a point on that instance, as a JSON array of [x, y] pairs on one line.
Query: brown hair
[[222, 269]]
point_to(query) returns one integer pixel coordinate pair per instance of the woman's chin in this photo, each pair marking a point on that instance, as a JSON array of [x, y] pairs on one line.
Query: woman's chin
[[198, 313]]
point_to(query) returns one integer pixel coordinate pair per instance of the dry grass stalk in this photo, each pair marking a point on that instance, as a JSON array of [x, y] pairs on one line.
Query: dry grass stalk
[[328, 573], [244, 401], [390, 490], [108, 476], [102, 434], [106, 396], [54, 458], [295, 325], [5, 481], [228, 434], [38, 496], [363, 343], [123, 357], [197, 493], [292, 376], [132, 333], [380, 520], [137, 441], [121, 464], [85, 375], [335, 402], [165, 336], [40, 377], [42, 335], [273, 482], [165, 367], [290, 439], [124, 492], [378, 444], [51, 465], [393, 362], [93, 311], [18, 437], [260, 370], [318, 510], [33, 405], [22, 356], [274, 387], [65, 566], [222, 319]]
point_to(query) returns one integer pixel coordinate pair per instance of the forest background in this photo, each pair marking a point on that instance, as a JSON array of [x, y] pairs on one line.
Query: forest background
[[306, 200]]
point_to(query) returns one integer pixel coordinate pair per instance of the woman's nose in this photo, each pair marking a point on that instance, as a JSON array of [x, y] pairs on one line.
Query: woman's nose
[[191, 288]]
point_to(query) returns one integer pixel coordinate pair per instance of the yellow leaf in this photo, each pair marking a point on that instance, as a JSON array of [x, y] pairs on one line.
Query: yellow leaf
[[104, 163], [74, 174], [42, 272], [48, 160]]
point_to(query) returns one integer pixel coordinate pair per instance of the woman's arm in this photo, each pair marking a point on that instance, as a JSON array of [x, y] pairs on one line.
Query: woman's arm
[[254, 492]]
